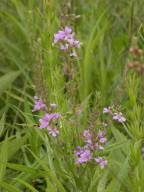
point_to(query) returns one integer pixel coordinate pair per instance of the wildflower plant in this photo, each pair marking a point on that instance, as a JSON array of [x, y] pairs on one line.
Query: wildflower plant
[[47, 121], [93, 145], [117, 116]]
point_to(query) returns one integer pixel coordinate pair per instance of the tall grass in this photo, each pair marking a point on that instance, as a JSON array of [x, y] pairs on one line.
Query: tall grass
[[30, 65]]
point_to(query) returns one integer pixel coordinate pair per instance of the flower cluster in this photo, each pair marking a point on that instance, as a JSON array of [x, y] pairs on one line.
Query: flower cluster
[[117, 116], [66, 40], [93, 143], [48, 120]]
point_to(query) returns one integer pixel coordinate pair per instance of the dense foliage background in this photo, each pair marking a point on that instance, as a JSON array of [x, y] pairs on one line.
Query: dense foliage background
[[30, 65]]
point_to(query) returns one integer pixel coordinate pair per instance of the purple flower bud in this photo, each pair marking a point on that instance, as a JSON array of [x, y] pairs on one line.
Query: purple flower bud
[[38, 104], [119, 117], [106, 110], [87, 136], [53, 131], [68, 30], [103, 140], [101, 161], [101, 134], [59, 36], [64, 47]]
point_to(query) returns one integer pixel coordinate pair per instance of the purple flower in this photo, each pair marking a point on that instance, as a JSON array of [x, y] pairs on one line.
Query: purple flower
[[101, 136], [66, 40], [119, 117], [68, 30], [47, 118], [93, 144], [103, 140], [73, 43], [106, 110], [38, 104], [59, 36], [101, 161], [44, 121], [63, 35], [54, 116], [83, 155]]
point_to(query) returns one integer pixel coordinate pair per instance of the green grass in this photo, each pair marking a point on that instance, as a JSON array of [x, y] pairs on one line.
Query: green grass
[[30, 65]]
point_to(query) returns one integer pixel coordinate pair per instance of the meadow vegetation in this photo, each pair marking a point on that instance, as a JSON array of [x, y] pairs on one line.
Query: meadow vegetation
[[91, 89]]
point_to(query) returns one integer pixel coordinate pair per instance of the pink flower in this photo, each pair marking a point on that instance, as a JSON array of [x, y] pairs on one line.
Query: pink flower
[[101, 161], [38, 104]]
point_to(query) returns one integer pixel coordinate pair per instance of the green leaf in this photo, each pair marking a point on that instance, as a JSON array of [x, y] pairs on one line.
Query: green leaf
[[94, 180], [102, 183], [8, 187], [7, 79], [122, 177], [15, 144], [27, 185], [2, 122], [3, 158]]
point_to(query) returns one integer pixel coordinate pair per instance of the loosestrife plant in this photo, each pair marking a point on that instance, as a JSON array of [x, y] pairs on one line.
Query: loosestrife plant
[[94, 142]]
